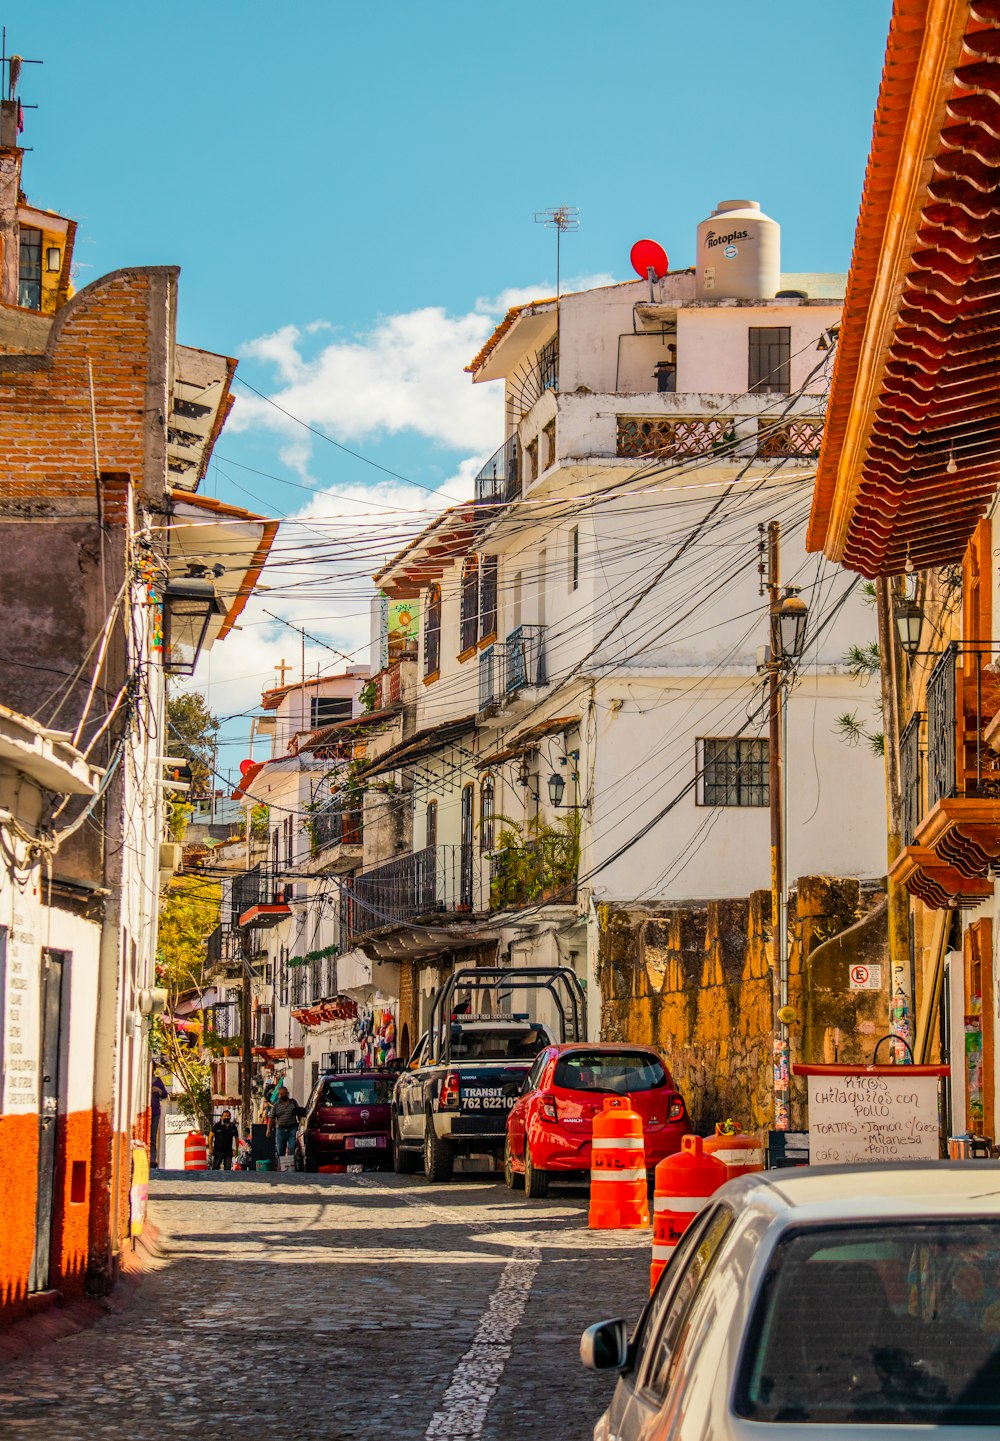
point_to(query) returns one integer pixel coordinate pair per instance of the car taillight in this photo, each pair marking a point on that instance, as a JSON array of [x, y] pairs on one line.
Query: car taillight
[[547, 1106], [675, 1110], [451, 1092]]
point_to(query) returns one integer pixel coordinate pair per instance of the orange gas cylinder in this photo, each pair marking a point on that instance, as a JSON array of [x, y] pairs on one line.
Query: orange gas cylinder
[[195, 1152], [684, 1183], [738, 1153], [619, 1198]]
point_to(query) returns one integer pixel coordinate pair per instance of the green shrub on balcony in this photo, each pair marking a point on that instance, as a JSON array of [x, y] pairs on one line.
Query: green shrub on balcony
[[536, 862]]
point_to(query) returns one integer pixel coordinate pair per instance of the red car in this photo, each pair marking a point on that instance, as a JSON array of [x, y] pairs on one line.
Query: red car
[[549, 1127], [346, 1122]]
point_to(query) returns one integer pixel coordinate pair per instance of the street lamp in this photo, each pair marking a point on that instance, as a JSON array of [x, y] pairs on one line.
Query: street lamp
[[789, 619], [909, 617], [556, 788], [189, 604]]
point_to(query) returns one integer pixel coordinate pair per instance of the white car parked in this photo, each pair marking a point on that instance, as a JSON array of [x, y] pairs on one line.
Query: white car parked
[[861, 1301]]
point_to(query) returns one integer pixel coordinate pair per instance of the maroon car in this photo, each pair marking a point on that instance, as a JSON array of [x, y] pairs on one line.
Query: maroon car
[[346, 1122]]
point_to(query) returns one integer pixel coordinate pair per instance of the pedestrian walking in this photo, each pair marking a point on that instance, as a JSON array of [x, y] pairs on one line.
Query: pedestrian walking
[[157, 1095], [283, 1122], [223, 1135]]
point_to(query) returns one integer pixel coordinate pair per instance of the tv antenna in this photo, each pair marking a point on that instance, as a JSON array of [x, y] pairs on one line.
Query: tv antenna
[[564, 218]]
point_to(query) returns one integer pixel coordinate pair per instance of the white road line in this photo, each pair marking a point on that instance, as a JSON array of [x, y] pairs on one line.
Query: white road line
[[476, 1378]]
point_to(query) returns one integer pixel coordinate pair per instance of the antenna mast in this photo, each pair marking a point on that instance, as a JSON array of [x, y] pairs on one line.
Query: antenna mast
[[564, 218]]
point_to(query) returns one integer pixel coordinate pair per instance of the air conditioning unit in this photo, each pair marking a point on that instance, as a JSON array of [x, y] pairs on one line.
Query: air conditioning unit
[[171, 856]]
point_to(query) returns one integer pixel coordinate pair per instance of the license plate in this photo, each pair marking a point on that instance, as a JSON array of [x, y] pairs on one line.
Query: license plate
[[365, 1141], [495, 1102]]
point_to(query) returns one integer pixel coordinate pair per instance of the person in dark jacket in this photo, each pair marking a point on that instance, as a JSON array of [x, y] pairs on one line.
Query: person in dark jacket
[[223, 1135], [157, 1095], [283, 1122]]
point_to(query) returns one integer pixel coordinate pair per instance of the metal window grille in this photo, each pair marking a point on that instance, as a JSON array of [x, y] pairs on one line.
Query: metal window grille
[[432, 631], [487, 596], [324, 710], [911, 765], [469, 627], [734, 772], [283, 973], [770, 357], [574, 558], [29, 284], [548, 365], [487, 802]]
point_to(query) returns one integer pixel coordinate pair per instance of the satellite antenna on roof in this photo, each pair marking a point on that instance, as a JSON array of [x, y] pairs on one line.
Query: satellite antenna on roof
[[649, 260], [564, 218]]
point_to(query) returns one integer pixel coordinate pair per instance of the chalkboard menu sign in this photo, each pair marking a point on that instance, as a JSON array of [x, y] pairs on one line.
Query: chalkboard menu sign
[[860, 1114]]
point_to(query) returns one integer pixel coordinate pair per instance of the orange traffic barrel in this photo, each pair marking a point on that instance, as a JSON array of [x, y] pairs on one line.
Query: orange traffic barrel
[[684, 1183], [619, 1198], [738, 1153], [195, 1152]]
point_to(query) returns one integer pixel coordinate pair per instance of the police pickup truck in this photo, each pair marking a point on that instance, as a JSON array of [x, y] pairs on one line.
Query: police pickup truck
[[468, 1068]]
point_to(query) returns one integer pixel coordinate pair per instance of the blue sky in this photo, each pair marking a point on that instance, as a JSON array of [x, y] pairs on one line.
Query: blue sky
[[349, 190]]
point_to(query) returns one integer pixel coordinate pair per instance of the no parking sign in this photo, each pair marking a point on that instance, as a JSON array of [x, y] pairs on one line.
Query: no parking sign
[[866, 978]]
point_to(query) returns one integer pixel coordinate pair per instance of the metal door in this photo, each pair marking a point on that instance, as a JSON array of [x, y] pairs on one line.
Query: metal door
[[48, 1116]]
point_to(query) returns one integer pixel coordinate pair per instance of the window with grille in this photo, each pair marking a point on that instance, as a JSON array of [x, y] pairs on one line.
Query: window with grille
[[283, 973], [734, 772], [488, 597], [432, 631], [574, 558], [469, 626], [548, 365], [29, 280], [325, 709], [431, 833], [770, 352], [487, 802]]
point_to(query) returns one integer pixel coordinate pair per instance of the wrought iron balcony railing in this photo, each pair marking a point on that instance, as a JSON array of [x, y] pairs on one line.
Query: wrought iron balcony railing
[[259, 897], [509, 666], [435, 880], [911, 766], [961, 702], [499, 481], [337, 824]]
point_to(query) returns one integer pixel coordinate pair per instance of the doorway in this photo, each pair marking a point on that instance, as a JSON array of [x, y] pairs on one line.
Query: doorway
[[51, 1005]]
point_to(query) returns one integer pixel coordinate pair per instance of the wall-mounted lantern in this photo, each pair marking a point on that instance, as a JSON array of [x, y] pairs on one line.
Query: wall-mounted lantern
[[789, 619], [909, 617], [189, 603], [53, 259], [557, 787]]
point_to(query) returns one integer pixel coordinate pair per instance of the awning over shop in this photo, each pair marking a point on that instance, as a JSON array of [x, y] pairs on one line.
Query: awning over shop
[[911, 449]]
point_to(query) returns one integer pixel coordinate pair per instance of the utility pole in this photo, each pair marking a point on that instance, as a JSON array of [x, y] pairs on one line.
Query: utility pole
[[779, 903], [898, 897], [246, 1022]]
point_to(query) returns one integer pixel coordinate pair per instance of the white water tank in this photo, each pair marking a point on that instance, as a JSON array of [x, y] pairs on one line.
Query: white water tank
[[738, 253]]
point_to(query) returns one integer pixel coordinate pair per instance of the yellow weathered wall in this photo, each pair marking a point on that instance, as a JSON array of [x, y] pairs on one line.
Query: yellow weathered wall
[[695, 982]]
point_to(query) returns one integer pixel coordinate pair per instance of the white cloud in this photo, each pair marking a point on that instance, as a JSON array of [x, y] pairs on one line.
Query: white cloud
[[407, 373]]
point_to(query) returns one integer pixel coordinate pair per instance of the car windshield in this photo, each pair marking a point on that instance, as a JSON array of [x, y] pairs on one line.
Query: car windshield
[[508, 1044], [895, 1324], [619, 1071], [356, 1091]]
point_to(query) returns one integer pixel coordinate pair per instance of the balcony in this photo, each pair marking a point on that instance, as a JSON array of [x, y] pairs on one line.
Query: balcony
[[335, 835], [260, 898], [951, 791], [498, 483], [224, 950], [730, 437], [507, 668], [389, 687], [541, 871], [424, 884]]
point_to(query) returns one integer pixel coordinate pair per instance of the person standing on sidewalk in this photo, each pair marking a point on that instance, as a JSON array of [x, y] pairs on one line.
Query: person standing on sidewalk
[[283, 1122], [223, 1135], [157, 1095]]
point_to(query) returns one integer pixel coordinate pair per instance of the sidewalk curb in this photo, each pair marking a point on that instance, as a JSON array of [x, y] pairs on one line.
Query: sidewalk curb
[[53, 1319]]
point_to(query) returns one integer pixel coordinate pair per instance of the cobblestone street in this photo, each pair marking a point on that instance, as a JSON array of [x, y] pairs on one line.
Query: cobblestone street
[[343, 1307]]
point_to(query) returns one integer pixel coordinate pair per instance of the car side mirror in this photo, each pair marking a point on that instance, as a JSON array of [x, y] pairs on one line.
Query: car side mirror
[[604, 1346]]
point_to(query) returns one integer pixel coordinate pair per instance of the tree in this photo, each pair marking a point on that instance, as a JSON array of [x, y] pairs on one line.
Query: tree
[[190, 913], [191, 732]]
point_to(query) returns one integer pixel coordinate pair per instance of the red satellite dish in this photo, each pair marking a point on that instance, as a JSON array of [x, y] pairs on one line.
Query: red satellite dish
[[246, 767], [649, 255]]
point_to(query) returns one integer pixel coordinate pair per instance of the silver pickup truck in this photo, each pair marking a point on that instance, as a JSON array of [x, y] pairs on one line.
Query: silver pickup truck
[[467, 1070]]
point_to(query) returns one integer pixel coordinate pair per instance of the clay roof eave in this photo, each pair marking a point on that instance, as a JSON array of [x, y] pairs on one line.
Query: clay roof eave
[[881, 332]]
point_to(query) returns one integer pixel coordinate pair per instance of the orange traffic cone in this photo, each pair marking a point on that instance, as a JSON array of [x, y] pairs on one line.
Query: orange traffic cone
[[619, 1200], [738, 1153], [684, 1182]]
